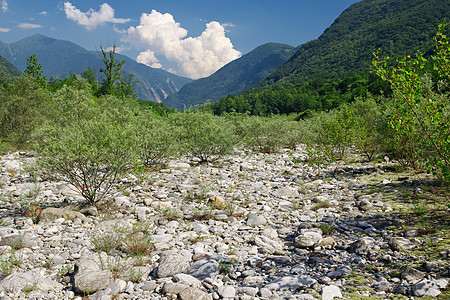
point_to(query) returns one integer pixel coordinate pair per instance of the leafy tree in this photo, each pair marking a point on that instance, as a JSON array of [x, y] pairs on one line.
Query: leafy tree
[[34, 69], [420, 110]]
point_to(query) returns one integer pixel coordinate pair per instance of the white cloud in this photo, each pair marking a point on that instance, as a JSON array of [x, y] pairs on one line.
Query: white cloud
[[4, 6], [29, 26], [2, 29], [91, 19], [148, 58], [196, 57], [43, 13]]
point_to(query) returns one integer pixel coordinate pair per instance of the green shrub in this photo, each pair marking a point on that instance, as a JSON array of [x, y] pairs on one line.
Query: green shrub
[[88, 142], [419, 110], [158, 139], [22, 103], [204, 135]]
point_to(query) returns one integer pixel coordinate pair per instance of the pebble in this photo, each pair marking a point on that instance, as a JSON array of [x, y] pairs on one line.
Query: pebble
[[239, 231]]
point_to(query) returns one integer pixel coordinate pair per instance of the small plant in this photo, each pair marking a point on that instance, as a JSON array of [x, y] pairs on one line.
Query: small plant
[[137, 244], [29, 288], [107, 241], [321, 204], [327, 229], [7, 263], [171, 213]]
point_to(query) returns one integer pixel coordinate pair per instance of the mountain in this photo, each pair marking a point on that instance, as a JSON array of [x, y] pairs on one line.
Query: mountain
[[234, 78], [60, 57], [398, 27], [8, 68]]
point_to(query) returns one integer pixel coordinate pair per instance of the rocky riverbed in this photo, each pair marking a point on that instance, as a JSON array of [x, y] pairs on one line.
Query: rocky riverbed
[[250, 226]]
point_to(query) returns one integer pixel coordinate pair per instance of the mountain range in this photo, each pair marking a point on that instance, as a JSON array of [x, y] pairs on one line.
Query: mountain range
[[59, 58], [397, 27], [233, 78]]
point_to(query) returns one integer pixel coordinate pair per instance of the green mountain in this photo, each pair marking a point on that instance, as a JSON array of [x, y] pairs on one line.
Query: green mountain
[[398, 27], [59, 57], [234, 78], [8, 68]]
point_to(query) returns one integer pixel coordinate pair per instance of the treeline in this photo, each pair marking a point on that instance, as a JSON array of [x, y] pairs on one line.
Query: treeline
[[316, 95]]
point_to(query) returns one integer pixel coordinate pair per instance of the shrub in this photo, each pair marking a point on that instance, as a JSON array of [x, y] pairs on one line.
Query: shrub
[[204, 135], [420, 107], [22, 103], [88, 142], [157, 139]]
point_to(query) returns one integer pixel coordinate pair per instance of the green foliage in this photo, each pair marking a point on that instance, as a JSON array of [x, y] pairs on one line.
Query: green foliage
[[22, 103], [204, 135], [34, 69], [157, 139], [88, 142], [420, 109], [7, 69], [267, 134]]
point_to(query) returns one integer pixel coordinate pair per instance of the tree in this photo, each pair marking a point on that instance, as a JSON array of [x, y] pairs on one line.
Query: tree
[[420, 109], [34, 69], [115, 82]]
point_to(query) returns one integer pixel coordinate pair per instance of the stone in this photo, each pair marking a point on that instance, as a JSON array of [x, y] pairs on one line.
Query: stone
[[192, 293], [340, 272], [202, 269], [172, 263], [330, 292], [17, 281], [400, 244], [255, 220], [361, 246], [52, 213], [291, 282], [286, 192], [187, 279], [262, 241], [174, 288], [308, 238], [426, 286], [412, 275], [227, 291], [148, 285]]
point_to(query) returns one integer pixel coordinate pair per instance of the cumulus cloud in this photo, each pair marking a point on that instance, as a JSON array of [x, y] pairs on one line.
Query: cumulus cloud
[[196, 57], [3, 29], [148, 58], [29, 26], [4, 6], [91, 19]]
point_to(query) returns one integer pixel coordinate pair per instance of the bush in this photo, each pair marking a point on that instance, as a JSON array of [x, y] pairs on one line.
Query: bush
[[158, 139], [420, 107], [22, 103], [204, 135], [88, 142]]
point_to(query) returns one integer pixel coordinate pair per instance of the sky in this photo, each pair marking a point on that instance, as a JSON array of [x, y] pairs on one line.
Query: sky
[[191, 38]]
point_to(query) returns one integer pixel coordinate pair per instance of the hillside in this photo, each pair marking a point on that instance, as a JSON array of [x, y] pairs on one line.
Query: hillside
[[8, 68], [234, 78], [397, 27], [59, 57]]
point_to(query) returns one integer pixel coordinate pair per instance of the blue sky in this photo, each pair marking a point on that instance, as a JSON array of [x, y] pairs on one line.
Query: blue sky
[[192, 38]]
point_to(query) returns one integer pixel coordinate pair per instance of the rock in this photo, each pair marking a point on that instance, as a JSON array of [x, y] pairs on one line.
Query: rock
[[412, 275], [192, 293], [330, 292], [340, 272], [255, 220], [361, 246], [174, 288], [308, 238], [382, 285], [202, 269], [429, 287], [291, 282], [178, 166], [400, 244], [187, 279], [88, 277], [287, 192], [262, 241], [172, 263], [37, 279], [51, 213], [227, 291]]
